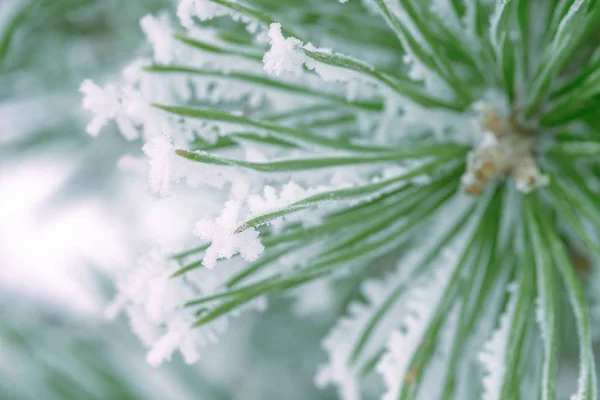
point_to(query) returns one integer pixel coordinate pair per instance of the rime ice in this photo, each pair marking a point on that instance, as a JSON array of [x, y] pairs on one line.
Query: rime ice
[[283, 55], [225, 242], [105, 104], [493, 355], [160, 34], [161, 160]]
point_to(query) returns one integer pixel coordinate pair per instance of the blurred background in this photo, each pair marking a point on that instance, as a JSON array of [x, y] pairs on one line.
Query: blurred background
[[70, 218]]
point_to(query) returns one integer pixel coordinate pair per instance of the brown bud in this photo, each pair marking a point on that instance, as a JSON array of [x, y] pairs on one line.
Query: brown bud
[[474, 189]]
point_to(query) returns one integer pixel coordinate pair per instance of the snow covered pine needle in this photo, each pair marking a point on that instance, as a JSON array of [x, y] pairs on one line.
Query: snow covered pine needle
[[443, 154]]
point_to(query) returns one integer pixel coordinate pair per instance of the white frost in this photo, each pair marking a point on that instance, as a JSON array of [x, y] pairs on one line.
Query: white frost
[[178, 337], [343, 338], [284, 55], [270, 201], [403, 343], [160, 34], [105, 104], [225, 242], [161, 159], [205, 10], [493, 355], [154, 305]]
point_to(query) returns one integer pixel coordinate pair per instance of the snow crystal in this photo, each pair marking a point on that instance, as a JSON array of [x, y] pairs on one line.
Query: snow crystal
[[288, 55], [154, 301], [225, 242], [134, 71], [283, 55], [289, 194], [402, 344], [186, 12], [205, 10], [161, 159], [269, 202], [146, 331], [105, 104], [160, 34], [342, 339], [179, 336], [493, 355], [154, 122]]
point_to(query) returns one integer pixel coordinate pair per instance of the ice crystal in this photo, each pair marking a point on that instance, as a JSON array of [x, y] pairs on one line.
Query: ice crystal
[[225, 239], [160, 35], [161, 158], [106, 105], [284, 55], [403, 342], [493, 355]]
